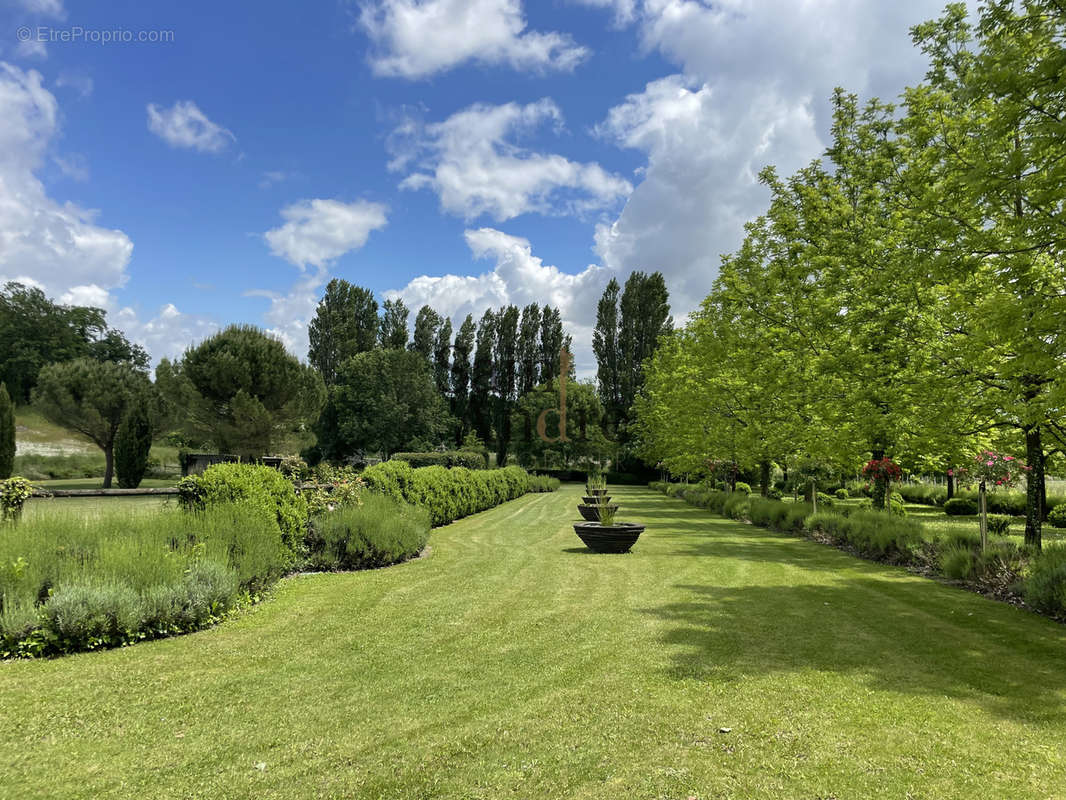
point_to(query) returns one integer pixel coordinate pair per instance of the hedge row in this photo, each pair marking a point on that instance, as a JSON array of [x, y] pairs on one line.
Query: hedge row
[[582, 475], [447, 494], [450, 458], [1004, 569]]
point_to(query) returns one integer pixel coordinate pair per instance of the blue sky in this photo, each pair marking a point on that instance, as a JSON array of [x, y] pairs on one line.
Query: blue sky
[[464, 153]]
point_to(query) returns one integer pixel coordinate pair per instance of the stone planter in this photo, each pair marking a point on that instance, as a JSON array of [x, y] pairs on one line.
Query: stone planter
[[591, 512], [617, 538], [596, 500], [597, 492]]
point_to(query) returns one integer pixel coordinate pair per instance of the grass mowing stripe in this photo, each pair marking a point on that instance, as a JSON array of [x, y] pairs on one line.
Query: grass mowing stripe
[[513, 662]]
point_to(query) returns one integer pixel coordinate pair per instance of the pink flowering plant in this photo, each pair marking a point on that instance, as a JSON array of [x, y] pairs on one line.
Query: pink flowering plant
[[992, 469]]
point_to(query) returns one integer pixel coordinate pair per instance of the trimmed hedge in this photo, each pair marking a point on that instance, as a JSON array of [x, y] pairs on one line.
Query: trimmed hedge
[[960, 507], [450, 458], [252, 484], [447, 494]]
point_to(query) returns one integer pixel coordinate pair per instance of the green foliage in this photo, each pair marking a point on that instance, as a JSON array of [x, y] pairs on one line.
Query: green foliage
[[381, 402], [923, 493], [7, 434], [345, 323], [841, 494], [960, 507], [881, 535], [767, 512], [92, 398], [392, 334], [446, 458], [240, 389], [448, 494], [377, 532], [999, 525], [295, 469], [741, 486], [73, 582], [836, 526], [256, 486], [36, 332], [825, 500], [543, 483], [736, 506], [133, 443], [14, 492], [1045, 587], [1057, 516]]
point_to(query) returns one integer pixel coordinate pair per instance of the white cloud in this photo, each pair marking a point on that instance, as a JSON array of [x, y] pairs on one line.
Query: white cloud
[[624, 10], [31, 48], [45, 8], [51, 244], [270, 178], [755, 90], [418, 38], [185, 125], [73, 165], [290, 313], [166, 334], [474, 165], [518, 278], [319, 231], [82, 84]]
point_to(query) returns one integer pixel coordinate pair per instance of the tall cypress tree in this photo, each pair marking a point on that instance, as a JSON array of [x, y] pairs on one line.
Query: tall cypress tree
[[442, 356], [551, 341], [7, 434], [481, 378], [605, 346], [133, 443], [427, 321], [505, 377], [392, 334], [461, 353], [529, 349], [345, 323]]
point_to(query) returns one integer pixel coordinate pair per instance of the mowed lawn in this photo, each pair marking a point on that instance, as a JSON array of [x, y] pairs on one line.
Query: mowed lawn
[[716, 660]]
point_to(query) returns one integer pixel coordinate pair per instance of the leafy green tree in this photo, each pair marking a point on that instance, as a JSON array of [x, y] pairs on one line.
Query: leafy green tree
[[462, 351], [7, 434], [442, 353], [133, 443], [35, 332], [986, 132], [481, 405], [528, 348], [584, 417], [393, 333], [427, 322], [345, 323], [91, 398], [608, 362], [383, 400], [644, 316], [240, 389]]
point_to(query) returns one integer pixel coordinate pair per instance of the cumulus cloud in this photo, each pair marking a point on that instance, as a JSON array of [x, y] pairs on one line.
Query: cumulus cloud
[[754, 89], [319, 231], [166, 333], [42, 241], [418, 38], [185, 125], [518, 277], [290, 312], [472, 162]]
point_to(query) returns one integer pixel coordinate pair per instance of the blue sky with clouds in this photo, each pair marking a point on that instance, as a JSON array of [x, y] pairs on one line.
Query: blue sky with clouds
[[464, 153]]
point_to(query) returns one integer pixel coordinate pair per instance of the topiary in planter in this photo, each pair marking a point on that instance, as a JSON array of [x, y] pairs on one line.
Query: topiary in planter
[[595, 500], [592, 512], [618, 537]]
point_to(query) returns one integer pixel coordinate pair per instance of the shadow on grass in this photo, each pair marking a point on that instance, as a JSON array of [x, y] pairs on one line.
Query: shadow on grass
[[897, 636]]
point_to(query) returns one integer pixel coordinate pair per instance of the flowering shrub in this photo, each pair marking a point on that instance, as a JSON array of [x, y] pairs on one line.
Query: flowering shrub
[[14, 492], [882, 469], [993, 469]]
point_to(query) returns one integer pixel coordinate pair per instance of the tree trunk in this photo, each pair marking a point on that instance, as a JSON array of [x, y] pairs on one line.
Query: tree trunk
[[951, 484], [880, 487], [1043, 487], [109, 465], [1034, 511], [984, 517], [814, 497], [764, 477]]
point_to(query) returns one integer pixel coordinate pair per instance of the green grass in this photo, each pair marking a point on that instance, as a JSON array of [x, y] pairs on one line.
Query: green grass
[[511, 662]]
